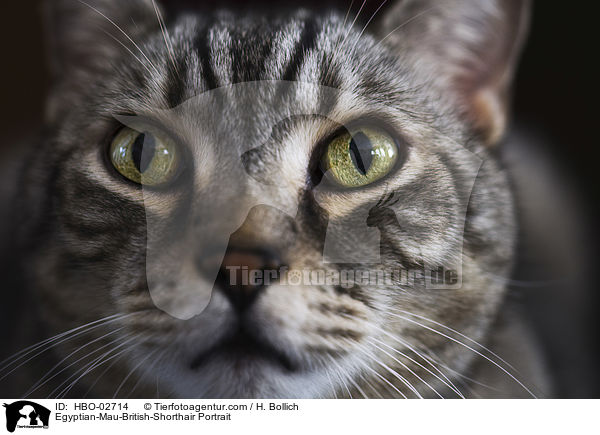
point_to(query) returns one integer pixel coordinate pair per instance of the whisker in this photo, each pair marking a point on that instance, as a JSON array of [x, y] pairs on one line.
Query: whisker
[[367, 25], [471, 349], [371, 386], [110, 366], [340, 45], [89, 363], [128, 49], [457, 333], [353, 22], [404, 24], [166, 37], [447, 382], [392, 371], [341, 377], [132, 371], [337, 46], [333, 389], [154, 363], [45, 379], [347, 13], [122, 31], [385, 380], [407, 368], [352, 382], [458, 374], [102, 359], [54, 344], [39, 344]]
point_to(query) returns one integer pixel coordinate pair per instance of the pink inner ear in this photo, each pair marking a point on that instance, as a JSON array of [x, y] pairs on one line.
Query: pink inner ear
[[488, 111]]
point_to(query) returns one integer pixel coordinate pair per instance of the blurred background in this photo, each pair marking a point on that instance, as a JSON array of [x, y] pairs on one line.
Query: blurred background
[[551, 148]]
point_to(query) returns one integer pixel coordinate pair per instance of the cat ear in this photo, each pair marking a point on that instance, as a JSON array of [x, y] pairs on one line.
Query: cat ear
[[85, 35], [468, 48]]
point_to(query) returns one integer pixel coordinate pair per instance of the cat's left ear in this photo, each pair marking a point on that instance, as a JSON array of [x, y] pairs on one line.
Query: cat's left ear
[[466, 48]]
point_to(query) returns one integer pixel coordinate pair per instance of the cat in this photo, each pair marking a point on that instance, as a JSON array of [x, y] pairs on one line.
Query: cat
[[182, 149]]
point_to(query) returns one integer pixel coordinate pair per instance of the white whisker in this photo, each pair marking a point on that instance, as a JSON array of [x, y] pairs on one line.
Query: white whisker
[[367, 25], [56, 343], [333, 389], [471, 349], [154, 363], [406, 367], [34, 347], [341, 377], [385, 380], [447, 382], [404, 24], [132, 371], [102, 359], [392, 371], [371, 386], [45, 379], [166, 37], [128, 49], [122, 31], [91, 387], [458, 374], [457, 333]]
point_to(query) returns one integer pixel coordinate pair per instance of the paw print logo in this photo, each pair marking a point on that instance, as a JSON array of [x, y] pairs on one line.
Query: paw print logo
[[293, 277]]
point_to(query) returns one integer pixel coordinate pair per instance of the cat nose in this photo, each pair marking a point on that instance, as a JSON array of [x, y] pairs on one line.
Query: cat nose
[[244, 273]]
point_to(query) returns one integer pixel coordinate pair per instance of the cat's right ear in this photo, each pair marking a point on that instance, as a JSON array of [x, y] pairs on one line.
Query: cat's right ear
[[84, 36]]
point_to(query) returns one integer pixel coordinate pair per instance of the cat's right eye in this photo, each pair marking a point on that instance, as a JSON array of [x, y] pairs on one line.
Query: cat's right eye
[[144, 157]]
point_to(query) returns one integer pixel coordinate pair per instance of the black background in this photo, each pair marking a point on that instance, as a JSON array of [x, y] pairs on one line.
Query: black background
[[555, 94]]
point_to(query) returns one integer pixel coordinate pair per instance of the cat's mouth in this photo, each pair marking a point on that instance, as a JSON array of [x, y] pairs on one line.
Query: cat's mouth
[[244, 350]]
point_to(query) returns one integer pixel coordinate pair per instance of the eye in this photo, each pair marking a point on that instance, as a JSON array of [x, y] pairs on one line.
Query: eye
[[360, 157], [144, 158]]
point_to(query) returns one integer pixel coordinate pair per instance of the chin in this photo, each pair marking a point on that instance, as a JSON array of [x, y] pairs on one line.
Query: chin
[[225, 377]]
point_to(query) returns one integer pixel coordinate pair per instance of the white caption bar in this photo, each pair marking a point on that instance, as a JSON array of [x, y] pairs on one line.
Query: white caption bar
[[364, 417]]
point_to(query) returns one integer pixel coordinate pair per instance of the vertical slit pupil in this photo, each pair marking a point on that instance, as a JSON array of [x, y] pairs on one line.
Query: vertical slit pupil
[[143, 151], [361, 152]]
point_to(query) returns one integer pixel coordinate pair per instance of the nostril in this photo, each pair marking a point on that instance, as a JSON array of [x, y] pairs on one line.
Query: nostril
[[242, 275]]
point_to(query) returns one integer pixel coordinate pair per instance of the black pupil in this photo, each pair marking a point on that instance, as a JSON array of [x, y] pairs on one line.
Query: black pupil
[[361, 152], [143, 151]]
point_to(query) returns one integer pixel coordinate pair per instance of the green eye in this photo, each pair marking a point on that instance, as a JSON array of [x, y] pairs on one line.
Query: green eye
[[361, 157], [143, 157]]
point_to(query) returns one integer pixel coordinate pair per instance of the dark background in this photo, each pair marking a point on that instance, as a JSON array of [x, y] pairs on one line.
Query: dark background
[[555, 97]]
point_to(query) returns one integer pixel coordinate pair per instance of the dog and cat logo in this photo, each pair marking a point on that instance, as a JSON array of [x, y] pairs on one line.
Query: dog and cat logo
[[25, 414]]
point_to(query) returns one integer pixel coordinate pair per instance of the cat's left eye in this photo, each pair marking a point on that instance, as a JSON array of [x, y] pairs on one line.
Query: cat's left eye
[[144, 158], [360, 157]]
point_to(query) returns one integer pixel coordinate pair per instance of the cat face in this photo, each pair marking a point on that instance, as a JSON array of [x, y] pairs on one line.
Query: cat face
[[246, 115]]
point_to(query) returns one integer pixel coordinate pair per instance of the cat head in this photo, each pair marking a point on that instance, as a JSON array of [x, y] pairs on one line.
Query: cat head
[[188, 150]]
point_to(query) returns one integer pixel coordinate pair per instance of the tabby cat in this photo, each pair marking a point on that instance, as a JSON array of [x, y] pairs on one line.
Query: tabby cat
[[183, 148]]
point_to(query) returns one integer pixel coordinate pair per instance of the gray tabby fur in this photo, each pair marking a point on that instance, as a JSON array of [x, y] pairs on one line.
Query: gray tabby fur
[[440, 73]]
